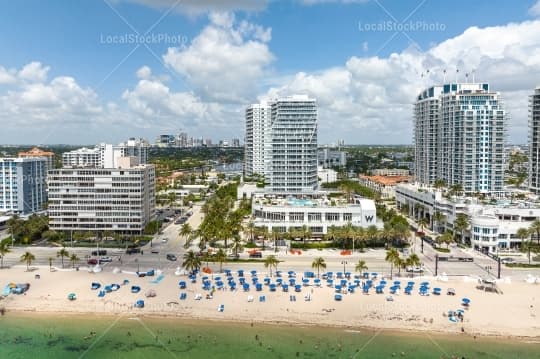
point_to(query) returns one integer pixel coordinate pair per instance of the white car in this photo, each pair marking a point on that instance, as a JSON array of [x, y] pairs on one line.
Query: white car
[[164, 240], [508, 260], [105, 259]]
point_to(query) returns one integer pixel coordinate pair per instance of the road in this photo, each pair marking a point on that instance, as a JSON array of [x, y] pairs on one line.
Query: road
[[174, 244]]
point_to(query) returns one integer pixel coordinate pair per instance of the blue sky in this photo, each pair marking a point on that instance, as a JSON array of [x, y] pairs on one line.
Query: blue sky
[[63, 81]]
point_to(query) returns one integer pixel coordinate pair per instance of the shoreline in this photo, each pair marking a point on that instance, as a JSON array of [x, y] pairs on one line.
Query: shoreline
[[348, 328]]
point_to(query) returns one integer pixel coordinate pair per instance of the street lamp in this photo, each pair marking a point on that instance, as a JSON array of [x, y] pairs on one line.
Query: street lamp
[[138, 267], [344, 264]]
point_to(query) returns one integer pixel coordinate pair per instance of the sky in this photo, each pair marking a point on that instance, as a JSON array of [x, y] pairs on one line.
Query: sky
[[88, 71]]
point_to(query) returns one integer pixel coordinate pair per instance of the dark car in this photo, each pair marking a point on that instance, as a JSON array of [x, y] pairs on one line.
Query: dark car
[[171, 257], [255, 255], [101, 252], [92, 261], [133, 250]]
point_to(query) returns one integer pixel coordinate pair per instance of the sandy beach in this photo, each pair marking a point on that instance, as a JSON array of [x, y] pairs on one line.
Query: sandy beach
[[514, 313]]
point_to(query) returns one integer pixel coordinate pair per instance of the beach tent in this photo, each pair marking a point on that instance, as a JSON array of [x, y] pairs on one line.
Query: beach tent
[[150, 293]]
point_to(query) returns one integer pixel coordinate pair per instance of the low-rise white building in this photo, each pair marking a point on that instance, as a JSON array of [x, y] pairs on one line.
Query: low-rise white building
[[318, 214], [492, 227], [326, 175]]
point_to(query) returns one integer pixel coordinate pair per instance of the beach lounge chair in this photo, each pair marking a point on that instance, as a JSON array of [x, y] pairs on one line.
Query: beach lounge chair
[[285, 287], [72, 296], [298, 288], [240, 273], [250, 298], [221, 308], [266, 281], [135, 289], [262, 298], [95, 286], [258, 287], [245, 286], [307, 297], [465, 302], [115, 287], [139, 303], [389, 298], [272, 287], [317, 282], [183, 296], [436, 291], [451, 291], [305, 282], [338, 297], [101, 294], [379, 289], [182, 284], [198, 296]]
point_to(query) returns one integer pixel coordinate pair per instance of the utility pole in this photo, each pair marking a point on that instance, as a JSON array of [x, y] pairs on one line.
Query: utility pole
[[436, 264]]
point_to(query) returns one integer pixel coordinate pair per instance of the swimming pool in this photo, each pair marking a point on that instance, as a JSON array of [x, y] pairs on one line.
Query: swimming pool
[[299, 202]]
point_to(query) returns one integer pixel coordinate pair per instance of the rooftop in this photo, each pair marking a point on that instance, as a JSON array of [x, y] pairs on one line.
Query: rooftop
[[388, 180]]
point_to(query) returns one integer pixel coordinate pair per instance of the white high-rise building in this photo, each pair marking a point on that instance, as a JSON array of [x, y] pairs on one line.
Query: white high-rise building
[[118, 199], [23, 184], [459, 134], [106, 155], [257, 137], [293, 145], [534, 141]]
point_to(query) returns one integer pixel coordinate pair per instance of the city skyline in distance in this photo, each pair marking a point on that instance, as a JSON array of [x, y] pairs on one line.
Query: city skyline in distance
[[133, 69]]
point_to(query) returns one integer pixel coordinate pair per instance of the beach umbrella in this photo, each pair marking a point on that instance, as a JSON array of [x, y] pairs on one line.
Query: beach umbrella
[[72, 296], [298, 288], [240, 272], [466, 301], [337, 297], [285, 287], [339, 274], [253, 273]]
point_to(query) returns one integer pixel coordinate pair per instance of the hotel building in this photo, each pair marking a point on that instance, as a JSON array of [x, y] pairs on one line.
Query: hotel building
[[459, 132], [105, 155], [257, 137]]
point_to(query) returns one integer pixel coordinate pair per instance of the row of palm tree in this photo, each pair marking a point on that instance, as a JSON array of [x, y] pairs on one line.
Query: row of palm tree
[[319, 263], [392, 257], [527, 244]]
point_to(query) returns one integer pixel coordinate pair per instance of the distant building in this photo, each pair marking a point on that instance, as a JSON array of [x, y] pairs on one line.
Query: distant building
[[106, 155], [384, 185], [329, 158], [326, 175], [165, 141], [390, 172], [102, 199], [36, 152], [534, 141], [23, 185], [258, 125], [235, 142]]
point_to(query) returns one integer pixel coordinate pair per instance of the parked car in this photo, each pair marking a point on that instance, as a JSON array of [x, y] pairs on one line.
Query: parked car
[[415, 270], [154, 251], [105, 260], [101, 252], [508, 260], [92, 261], [164, 240], [171, 257], [255, 255], [233, 256]]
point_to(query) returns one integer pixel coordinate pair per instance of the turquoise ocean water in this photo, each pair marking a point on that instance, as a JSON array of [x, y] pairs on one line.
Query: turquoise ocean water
[[39, 336]]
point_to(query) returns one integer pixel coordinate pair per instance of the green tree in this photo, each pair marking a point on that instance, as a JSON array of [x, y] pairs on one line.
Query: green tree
[[28, 258], [4, 249], [392, 257], [237, 245], [73, 259], [438, 217], [535, 228], [62, 253], [445, 238], [270, 262], [439, 183], [413, 261], [318, 263], [191, 261], [220, 257], [461, 224], [422, 224], [361, 266]]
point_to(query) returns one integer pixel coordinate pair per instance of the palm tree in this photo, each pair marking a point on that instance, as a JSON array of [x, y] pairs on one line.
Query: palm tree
[[275, 235], [462, 223], [413, 261], [438, 217], [191, 261], [263, 232], [306, 233], [271, 261], [445, 238], [28, 258], [251, 228], [237, 245], [422, 224], [62, 253], [73, 259], [360, 266], [392, 256], [318, 263], [439, 183], [4, 249], [220, 257], [535, 228], [185, 230]]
